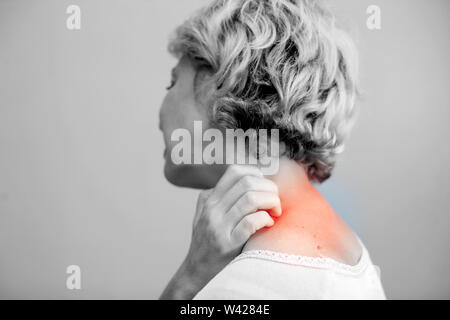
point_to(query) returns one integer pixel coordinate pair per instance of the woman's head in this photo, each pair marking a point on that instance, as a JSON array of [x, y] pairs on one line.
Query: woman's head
[[269, 64]]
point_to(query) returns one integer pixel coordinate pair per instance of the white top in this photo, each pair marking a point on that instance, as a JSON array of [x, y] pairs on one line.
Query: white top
[[266, 275]]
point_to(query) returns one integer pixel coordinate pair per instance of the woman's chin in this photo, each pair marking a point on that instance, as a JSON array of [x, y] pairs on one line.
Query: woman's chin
[[190, 176]]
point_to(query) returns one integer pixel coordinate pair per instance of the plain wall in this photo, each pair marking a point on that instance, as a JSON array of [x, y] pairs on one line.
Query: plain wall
[[81, 161]]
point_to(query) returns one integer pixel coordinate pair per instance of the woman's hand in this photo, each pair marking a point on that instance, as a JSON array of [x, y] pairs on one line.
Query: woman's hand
[[226, 217]]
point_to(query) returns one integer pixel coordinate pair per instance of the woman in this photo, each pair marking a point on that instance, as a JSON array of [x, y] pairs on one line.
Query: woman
[[271, 64]]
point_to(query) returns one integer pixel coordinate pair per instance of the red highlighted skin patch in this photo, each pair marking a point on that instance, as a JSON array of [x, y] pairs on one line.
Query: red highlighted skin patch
[[308, 225]]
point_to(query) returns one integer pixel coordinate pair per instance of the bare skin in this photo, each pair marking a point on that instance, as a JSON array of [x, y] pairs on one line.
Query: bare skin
[[308, 226]]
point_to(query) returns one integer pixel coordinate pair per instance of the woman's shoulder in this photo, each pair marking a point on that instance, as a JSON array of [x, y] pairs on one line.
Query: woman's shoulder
[[319, 234], [263, 274]]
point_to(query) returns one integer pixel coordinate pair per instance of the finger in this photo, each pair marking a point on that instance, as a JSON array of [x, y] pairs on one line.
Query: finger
[[246, 184], [254, 201], [232, 175], [249, 225]]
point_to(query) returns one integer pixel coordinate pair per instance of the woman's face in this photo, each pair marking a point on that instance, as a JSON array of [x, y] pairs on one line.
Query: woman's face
[[179, 110]]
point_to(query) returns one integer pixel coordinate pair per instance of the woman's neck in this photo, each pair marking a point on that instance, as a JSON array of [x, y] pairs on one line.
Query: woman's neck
[[292, 181], [308, 225]]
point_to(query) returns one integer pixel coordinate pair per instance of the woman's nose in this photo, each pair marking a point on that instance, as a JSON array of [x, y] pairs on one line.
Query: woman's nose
[[160, 119]]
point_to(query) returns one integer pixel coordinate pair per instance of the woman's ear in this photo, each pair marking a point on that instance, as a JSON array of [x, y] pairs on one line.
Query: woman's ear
[[266, 153], [267, 148]]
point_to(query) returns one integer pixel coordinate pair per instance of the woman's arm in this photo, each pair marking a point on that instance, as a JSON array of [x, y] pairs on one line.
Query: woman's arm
[[184, 285], [226, 217]]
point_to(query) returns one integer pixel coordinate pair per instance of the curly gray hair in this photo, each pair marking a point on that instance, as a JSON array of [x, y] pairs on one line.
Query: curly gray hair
[[277, 64]]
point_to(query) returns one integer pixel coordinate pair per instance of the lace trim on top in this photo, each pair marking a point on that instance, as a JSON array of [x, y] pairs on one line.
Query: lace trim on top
[[313, 262]]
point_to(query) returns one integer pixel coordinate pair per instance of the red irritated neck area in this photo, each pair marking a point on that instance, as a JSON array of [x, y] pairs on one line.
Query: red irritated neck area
[[308, 225]]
